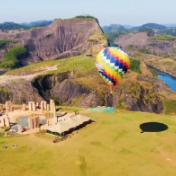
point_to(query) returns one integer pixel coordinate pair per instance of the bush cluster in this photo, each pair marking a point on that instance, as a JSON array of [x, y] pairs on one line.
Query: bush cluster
[[135, 65], [11, 57]]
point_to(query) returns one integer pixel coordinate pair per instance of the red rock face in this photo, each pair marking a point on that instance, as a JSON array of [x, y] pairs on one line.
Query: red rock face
[[141, 40], [63, 38]]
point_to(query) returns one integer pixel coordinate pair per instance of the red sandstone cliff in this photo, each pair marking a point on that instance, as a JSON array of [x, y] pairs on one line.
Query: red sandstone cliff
[[63, 38]]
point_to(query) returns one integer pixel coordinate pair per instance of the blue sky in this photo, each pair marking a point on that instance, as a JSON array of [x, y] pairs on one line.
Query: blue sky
[[131, 12]]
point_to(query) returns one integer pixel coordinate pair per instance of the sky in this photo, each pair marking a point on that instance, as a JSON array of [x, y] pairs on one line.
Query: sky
[[125, 12]]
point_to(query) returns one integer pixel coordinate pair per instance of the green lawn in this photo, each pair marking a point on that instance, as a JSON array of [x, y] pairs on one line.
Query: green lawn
[[113, 146], [82, 63]]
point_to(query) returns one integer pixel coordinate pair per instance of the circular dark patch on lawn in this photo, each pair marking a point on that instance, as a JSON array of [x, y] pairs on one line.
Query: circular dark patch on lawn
[[153, 127]]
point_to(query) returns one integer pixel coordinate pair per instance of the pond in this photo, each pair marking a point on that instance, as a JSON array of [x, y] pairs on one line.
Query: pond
[[168, 79], [23, 121], [2, 72]]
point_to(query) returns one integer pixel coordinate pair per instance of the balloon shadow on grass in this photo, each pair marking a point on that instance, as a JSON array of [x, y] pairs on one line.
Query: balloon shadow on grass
[[153, 127]]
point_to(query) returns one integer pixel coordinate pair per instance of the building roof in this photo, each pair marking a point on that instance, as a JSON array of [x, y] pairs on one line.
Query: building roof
[[68, 123]]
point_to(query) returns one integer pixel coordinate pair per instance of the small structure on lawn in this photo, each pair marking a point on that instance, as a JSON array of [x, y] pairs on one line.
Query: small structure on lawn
[[68, 124], [4, 121], [8, 106]]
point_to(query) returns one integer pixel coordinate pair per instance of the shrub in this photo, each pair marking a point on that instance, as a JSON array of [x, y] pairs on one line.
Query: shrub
[[170, 106], [149, 31], [135, 65], [166, 56], [56, 100], [144, 50], [154, 72], [3, 42], [13, 83], [11, 57]]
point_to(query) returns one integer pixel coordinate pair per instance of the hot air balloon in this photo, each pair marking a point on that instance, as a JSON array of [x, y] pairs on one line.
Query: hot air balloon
[[112, 63]]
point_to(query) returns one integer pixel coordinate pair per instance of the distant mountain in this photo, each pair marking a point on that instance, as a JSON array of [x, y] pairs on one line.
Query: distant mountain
[[128, 27], [11, 25], [38, 23], [151, 26], [168, 31], [113, 28], [118, 27], [170, 25]]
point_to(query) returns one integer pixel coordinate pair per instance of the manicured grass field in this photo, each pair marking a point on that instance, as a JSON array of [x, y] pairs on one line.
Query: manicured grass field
[[113, 146]]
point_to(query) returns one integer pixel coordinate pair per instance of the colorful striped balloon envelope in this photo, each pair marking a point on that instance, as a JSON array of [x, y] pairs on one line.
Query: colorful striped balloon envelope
[[112, 63]]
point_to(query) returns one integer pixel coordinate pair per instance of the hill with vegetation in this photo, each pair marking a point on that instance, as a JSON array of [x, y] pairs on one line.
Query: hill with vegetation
[[76, 82], [147, 42], [11, 25], [152, 29], [113, 31], [171, 31], [151, 26], [113, 28], [63, 38], [40, 23]]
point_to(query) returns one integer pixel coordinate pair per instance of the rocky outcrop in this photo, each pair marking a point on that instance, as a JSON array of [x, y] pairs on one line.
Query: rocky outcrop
[[140, 40], [19, 91], [146, 101], [63, 38], [63, 89], [134, 97]]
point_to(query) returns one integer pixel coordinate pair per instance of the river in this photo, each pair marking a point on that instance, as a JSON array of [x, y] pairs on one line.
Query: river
[[168, 79]]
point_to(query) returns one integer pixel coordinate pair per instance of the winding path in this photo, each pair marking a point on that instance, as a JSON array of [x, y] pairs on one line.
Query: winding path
[[6, 78]]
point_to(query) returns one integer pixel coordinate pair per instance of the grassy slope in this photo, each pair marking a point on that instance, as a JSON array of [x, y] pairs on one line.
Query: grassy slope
[[11, 57], [164, 64], [68, 64], [112, 146], [33, 68], [163, 37]]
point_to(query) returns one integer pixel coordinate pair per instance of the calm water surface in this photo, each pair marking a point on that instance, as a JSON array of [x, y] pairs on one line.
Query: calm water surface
[[2, 72], [169, 80]]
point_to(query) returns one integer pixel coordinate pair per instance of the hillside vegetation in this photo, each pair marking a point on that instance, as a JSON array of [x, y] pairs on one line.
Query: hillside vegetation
[[163, 37], [11, 25], [85, 74], [171, 31], [135, 65], [25, 26], [3, 42], [11, 57], [81, 63]]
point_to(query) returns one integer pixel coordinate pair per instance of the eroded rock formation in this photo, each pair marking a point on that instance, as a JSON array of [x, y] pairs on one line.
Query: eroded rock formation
[[63, 38], [141, 40]]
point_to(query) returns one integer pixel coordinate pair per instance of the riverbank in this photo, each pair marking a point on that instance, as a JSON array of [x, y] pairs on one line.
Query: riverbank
[[168, 78], [169, 72]]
